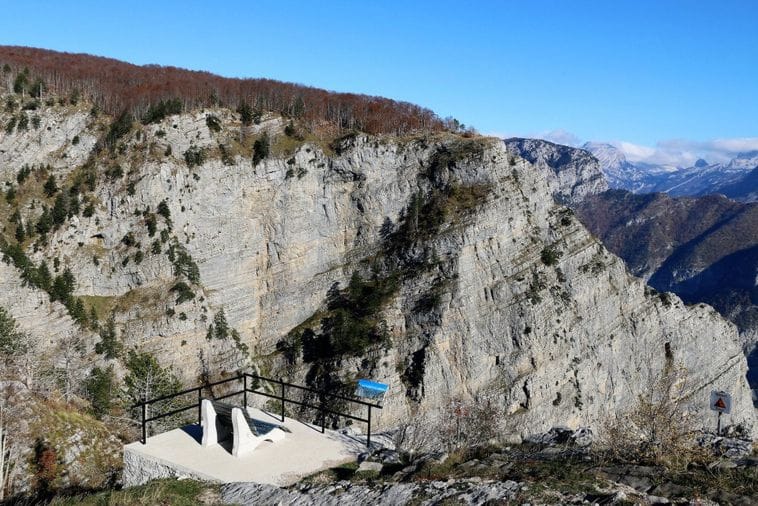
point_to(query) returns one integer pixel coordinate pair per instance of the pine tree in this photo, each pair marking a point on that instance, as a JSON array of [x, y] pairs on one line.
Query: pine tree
[[51, 188], [21, 82], [260, 149], [12, 341], [246, 113], [20, 232], [100, 387], [69, 280], [60, 209], [44, 278], [164, 211], [93, 318], [109, 344], [10, 195], [221, 327], [63, 286], [58, 290], [77, 311], [45, 222], [37, 88]]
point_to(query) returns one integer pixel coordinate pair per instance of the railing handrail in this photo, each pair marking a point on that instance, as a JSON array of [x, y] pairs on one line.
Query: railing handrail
[[255, 376], [185, 392], [243, 376], [313, 390], [305, 404]]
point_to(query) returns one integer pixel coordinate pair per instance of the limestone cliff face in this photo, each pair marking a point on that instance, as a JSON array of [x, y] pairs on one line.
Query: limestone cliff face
[[572, 174], [514, 295]]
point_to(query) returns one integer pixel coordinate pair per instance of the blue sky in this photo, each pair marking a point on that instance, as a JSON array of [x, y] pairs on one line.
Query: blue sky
[[645, 72]]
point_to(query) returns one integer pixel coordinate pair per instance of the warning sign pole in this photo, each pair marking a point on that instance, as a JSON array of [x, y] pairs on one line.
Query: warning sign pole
[[721, 402]]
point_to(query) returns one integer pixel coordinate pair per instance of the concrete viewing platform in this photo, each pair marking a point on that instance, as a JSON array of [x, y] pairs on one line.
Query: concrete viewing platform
[[178, 453]]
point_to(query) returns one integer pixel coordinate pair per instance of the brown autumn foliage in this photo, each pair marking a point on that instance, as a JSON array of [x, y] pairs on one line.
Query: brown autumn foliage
[[116, 86], [48, 468]]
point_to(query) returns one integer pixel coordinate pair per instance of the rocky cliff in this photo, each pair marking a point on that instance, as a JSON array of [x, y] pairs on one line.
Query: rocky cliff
[[704, 249], [701, 248], [572, 174], [438, 264]]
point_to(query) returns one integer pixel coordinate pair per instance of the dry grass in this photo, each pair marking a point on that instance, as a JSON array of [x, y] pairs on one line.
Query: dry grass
[[658, 430], [97, 455], [174, 492], [150, 299], [102, 304]]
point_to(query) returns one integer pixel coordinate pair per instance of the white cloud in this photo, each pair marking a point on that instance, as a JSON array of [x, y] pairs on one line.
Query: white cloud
[[634, 152], [561, 136], [684, 153], [558, 136], [671, 152]]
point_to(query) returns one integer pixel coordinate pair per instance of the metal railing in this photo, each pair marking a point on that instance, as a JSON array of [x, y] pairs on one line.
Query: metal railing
[[322, 408]]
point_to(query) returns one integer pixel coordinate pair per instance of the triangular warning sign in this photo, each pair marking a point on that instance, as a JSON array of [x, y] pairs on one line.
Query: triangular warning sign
[[719, 403]]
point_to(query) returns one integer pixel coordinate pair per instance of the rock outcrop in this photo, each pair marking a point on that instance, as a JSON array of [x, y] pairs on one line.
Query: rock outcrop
[[571, 173], [467, 492], [494, 287], [703, 249]]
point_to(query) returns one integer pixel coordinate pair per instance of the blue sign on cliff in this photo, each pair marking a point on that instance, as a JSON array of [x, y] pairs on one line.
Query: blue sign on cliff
[[370, 389]]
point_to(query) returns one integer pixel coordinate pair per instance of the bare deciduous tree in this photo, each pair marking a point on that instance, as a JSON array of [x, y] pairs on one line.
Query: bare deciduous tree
[[116, 86], [464, 423], [70, 365], [9, 451], [659, 428]]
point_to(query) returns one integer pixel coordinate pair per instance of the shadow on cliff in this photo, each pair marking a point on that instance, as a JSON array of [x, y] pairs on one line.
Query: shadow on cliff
[[733, 276], [686, 254]]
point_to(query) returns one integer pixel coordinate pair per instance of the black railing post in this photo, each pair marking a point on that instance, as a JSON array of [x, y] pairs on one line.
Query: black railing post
[[144, 416], [199, 405], [323, 413], [244, 395], [281, 381], [368, 432]]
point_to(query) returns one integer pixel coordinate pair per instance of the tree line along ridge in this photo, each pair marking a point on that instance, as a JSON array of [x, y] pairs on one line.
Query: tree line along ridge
[[145, 91]]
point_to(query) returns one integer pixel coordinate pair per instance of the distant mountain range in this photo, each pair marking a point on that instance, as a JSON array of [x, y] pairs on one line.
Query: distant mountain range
[[737, 179]]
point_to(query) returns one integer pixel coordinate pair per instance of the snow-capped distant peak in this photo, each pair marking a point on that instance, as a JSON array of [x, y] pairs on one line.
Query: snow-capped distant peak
[[744, 161], [702, 178], [609, 156]]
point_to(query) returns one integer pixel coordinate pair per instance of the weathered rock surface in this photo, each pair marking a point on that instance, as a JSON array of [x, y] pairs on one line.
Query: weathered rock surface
[[49, 143], [703, 249], [571, 173], [528, 474], [532, 306], [428, 493], [563, 436]]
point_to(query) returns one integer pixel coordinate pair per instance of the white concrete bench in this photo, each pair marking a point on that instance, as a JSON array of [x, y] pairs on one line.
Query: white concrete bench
[[219, 419]]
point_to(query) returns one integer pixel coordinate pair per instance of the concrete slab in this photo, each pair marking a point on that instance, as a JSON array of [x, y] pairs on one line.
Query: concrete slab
[[178, 453]]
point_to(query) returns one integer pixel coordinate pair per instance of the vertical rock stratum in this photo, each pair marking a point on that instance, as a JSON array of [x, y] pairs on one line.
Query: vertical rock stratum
[[438, 264]]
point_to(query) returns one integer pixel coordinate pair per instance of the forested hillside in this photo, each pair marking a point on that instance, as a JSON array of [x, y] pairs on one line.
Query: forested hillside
[[150, 91]]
